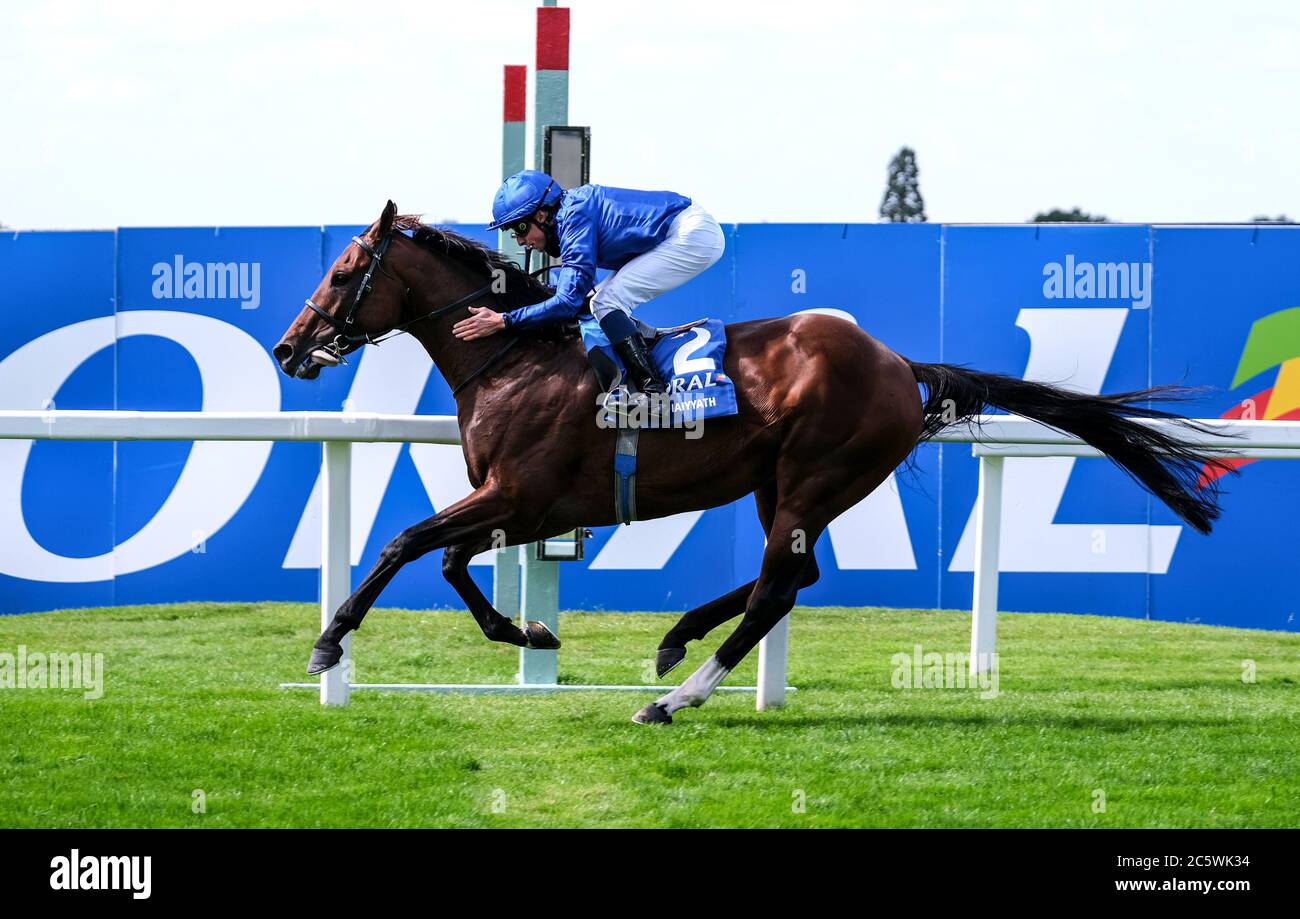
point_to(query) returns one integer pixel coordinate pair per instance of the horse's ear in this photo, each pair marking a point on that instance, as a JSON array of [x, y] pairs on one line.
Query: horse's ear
[[386, 219]]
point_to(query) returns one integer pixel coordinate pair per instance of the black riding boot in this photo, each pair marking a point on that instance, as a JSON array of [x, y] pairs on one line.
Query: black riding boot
[[636, 357]]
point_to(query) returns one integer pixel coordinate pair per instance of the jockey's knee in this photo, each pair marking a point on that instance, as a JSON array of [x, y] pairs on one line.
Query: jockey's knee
[[616, 322], [602, 304]]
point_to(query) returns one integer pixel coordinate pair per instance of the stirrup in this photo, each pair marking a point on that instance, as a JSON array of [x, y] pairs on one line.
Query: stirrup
[[619, 401]]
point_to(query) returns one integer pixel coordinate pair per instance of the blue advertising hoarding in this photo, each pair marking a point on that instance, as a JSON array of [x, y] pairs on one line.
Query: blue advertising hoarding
[[185, 319], [1220, 293], [56, 509], [1037, 303]]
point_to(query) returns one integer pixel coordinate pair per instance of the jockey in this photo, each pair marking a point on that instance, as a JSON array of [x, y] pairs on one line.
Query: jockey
[[654, 240]]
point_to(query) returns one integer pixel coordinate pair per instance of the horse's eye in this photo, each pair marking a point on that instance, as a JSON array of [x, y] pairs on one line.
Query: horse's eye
[[339, 280]]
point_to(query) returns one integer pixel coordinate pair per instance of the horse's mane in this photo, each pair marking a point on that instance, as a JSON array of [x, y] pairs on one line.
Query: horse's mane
[[521, 288]]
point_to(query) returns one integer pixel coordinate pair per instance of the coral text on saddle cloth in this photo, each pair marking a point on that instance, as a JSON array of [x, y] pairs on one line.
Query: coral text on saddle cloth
[[691, 363]]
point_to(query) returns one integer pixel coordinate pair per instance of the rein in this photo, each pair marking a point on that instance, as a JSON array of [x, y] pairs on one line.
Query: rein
[[500, 352], [486, 365]]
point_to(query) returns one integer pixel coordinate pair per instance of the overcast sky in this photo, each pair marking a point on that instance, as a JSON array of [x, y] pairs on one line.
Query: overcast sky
[[233, 113]]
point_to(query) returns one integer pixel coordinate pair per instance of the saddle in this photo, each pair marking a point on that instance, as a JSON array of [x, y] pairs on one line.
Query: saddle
[[609, 374]]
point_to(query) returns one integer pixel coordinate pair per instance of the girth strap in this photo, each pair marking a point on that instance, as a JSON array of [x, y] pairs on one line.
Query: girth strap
[[625, 474]]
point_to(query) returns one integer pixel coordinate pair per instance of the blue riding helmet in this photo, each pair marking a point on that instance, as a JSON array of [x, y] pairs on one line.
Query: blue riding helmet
[[520, 195]]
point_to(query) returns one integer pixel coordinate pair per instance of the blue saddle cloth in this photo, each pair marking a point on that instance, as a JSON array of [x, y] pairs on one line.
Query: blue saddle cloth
[[689, 360]]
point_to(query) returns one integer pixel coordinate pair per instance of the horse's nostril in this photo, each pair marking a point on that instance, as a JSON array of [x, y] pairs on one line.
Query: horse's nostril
[[282, 352]]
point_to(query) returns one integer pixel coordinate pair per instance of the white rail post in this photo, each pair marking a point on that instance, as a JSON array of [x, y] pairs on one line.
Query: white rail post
[[336, 562], [773, 654], [505, 581], [539, 598], [988, 531]]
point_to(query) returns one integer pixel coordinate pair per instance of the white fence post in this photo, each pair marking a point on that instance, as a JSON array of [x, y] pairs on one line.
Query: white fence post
[[773, 655], [336, 562], [505, 581], [539, 598], [988, 531]]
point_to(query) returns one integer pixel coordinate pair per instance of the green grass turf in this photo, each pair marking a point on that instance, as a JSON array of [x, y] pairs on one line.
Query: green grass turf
[[1156, 715]]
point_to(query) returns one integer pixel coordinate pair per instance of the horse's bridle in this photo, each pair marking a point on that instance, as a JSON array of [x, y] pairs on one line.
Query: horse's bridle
[[346, 339]]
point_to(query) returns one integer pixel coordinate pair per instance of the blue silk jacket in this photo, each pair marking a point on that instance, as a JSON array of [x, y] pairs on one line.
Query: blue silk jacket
[[599, 227]]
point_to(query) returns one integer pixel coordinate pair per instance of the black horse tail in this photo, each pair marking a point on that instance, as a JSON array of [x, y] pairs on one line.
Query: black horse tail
[[1166, 466]]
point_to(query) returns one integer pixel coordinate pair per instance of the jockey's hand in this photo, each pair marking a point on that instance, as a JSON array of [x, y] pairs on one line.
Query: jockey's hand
[[481, 323]]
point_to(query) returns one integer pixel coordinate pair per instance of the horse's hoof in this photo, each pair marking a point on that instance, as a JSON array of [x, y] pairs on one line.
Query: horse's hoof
[[540, 638], [323, 659], [654, 713], [668, 658]]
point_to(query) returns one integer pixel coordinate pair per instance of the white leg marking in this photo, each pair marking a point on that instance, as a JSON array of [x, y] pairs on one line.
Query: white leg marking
[[696, 688]]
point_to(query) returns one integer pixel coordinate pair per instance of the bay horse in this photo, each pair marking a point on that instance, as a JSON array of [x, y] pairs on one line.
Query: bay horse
[[826, 412]]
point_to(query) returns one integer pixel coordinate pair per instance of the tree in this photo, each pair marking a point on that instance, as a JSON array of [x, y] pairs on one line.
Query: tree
[[1056, 215], [1280, 218], [903, 202]]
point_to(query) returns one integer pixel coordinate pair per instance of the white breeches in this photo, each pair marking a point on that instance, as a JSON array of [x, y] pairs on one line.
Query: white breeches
[[694, 242]]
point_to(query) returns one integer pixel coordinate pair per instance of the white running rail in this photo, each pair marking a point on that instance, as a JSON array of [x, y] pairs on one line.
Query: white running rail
[[993, 437]]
